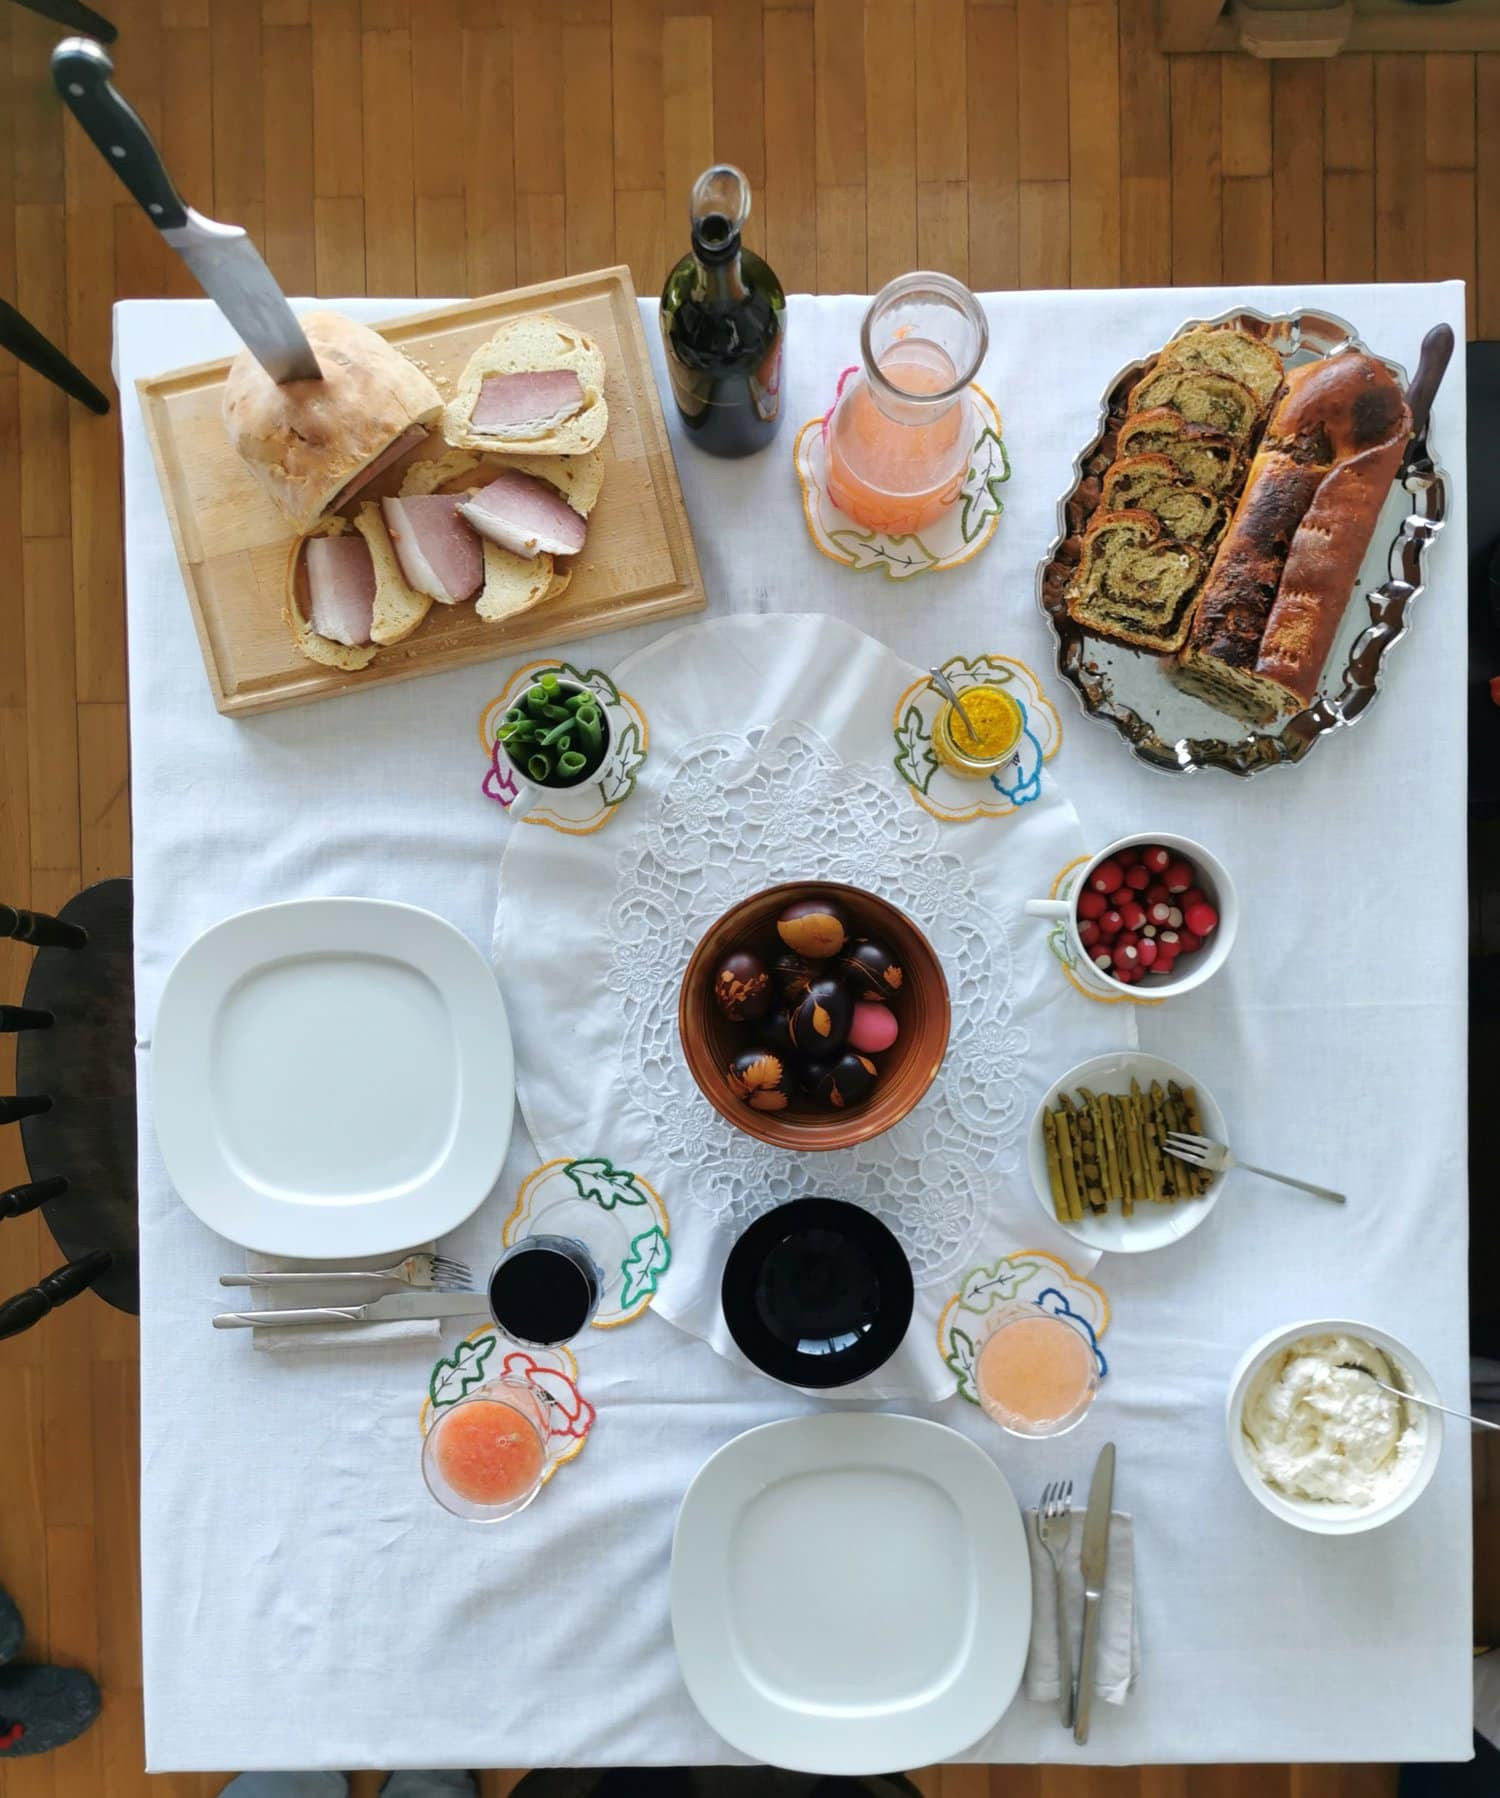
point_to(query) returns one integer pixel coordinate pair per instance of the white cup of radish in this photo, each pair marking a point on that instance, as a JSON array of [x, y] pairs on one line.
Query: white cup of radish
[[1148, 917]]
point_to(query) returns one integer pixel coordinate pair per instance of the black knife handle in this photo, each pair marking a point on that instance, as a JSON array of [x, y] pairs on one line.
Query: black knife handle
[[21, 1199], [53, 1289], [1432, 364], [80, 72]]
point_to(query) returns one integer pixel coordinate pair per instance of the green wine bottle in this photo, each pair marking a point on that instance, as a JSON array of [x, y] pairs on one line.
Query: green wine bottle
[[723, 325]]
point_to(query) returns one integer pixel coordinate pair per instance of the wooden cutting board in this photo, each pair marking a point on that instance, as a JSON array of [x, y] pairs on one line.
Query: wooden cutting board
[[638, 566]]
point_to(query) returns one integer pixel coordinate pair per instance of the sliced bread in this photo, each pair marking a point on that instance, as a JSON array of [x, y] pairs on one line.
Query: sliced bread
[[318, 648], [1132, 584], [1204, 458], [1222, 350], [1203, 398], [399, 608], [535, 344], [512, 583], [577, 478], [1153, 483]]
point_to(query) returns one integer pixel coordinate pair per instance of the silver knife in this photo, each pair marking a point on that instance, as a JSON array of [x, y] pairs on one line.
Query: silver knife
[[373, 1311], [1094, 1561], [222, 258]]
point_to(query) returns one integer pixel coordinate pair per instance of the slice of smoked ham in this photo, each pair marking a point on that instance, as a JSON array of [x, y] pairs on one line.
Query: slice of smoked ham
[[439, 555], [525, 516], [526, 404], [341, 588], [409, 439]]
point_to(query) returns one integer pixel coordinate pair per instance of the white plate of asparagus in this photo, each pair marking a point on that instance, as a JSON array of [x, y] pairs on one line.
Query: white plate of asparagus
[[1096, 1158]]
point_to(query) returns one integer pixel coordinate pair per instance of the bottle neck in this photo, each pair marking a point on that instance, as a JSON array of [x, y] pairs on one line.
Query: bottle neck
[[720, 276]]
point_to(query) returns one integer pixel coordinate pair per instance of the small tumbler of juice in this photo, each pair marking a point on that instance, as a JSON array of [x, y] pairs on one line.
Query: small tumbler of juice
[[483, 1458], [1036, 1373]]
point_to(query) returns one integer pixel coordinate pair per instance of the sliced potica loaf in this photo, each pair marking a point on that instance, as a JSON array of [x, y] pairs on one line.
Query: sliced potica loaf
[[1153, 483], [1132, 583], [399, 608], [533, 345], [316, 648], [1203, 398], [1204, 458], [1222, 350]]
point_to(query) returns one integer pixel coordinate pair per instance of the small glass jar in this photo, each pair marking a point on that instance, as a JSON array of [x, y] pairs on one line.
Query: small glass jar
[[1035, 1371], [999, 734], [484, 1458], [901, 430]]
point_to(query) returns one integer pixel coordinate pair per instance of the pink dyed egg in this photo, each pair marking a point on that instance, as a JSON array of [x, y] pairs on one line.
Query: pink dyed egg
[[873, 1028]]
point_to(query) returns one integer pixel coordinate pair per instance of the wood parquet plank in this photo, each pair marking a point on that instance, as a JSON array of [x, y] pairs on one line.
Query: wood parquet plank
[[1012, 142]]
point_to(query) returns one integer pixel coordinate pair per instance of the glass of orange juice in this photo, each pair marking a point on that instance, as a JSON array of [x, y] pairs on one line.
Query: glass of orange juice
[[484, 1457], [1036, 1373], [902, 428]]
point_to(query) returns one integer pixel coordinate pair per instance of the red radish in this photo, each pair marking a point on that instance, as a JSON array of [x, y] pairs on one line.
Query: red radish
[[1178, 878], [1127, 858], [1091, 904], [1126, 976], [1159, 912], [1127, 955], [1157, 859], [1193, 896], [1106, 877], [1164, 964], [1133, 914], [1121, 897], [1170, 941], [1147, 954], [1174, 916], [1101, 960], [1088, 933], [1188, 943], [1157, 894], [1111, 923], [1137, 879], [1148, 930], [1200, 918]]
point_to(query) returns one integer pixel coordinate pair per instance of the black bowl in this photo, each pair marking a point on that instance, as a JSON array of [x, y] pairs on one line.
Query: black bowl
[[817, 1293]]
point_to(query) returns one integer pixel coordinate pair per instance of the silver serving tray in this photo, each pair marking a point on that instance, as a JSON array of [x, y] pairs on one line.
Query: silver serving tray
[[1130, 688]]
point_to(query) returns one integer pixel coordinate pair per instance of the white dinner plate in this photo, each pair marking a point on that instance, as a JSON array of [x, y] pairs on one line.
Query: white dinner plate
[[1152, 1226], [851, 1593], [332, 1077]]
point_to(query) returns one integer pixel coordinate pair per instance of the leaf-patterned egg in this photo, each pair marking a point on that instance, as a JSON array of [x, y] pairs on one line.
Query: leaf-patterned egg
[[742, 987], [821, 1022], [870, 971], [759, 1077], [812, 927], [851, 1079]]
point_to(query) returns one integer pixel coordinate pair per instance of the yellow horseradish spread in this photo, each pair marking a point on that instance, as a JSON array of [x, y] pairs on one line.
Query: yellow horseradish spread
[[997, 721]]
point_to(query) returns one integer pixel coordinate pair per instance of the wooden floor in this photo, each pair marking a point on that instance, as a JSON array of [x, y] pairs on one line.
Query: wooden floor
[[1039, 143]]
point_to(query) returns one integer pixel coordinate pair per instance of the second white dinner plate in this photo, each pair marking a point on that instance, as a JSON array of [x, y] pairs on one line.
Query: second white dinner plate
[[850, 1593], [332, 1078]]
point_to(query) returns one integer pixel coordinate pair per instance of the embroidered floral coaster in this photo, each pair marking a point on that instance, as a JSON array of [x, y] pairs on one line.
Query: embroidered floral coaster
[[1063, 887], [958, 799], [1030, 1275], [953, 539], [616, 1215], [576, 811], [551, 1373]]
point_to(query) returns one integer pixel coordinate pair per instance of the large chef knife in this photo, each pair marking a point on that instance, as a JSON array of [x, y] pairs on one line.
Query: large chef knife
[[1094, 1561], [373, 1311], [221, 257]]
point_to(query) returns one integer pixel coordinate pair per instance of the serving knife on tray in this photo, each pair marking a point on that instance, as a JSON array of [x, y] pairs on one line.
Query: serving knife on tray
[[222, 258], [394, 1306], [1094, 1562]]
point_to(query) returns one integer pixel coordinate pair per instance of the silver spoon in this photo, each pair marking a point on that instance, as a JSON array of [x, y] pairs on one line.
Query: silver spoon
[[950, 693], [1431, 1403]]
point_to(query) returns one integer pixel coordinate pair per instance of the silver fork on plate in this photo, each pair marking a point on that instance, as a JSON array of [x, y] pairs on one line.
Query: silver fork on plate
[[1054, 1524], [1203, 1151], [424, 1271]]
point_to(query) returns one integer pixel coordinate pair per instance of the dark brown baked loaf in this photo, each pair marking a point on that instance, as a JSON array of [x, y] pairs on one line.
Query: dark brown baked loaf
[[1286, 566]]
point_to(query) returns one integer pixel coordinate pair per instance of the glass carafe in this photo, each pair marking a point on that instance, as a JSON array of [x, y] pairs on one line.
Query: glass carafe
[[902, 428]]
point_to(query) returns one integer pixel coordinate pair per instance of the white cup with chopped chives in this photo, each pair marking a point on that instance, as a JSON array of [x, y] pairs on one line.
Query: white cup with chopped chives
[[555, 734]]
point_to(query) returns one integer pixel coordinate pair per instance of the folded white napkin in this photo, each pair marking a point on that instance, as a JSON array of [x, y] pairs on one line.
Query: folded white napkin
[[1119, 1657], [307, 1293]]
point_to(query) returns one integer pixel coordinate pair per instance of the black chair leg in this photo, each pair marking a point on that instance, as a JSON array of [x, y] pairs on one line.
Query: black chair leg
[[52, 1290], [21, 1199], [19, 1017], [82, 19], [37, 928], [13, 1109]]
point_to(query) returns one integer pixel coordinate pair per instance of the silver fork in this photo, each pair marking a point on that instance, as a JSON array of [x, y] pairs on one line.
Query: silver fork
[[424, 1270], [1054, 1524], [1203, 1151]]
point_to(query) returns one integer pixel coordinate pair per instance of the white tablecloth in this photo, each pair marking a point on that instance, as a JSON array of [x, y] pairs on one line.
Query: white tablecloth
[[305, 1603]]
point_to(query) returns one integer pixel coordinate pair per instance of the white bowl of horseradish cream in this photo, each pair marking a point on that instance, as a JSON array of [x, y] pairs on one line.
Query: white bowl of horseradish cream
[[1317, 1441]]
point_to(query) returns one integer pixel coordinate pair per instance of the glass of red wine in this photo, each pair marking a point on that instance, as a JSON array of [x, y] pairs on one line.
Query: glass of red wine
[[544, 1290]]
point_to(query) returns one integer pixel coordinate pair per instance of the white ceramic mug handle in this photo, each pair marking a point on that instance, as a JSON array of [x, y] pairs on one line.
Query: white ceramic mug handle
[[1048, 908]]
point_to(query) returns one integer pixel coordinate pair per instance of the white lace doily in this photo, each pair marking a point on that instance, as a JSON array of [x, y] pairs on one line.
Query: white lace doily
[[592, 936]]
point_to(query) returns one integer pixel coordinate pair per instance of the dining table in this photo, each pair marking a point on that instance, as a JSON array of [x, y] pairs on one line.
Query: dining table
[[304, 1602]]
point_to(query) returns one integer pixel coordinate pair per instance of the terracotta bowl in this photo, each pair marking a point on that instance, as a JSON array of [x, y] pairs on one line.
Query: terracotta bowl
[[710, 1041]]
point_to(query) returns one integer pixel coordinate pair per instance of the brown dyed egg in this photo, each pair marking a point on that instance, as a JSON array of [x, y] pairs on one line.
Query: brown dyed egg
[[821, 1022], [742, 987], [794, 974], [812, 927], [851, 1078], [870, 971], [758, 1076]]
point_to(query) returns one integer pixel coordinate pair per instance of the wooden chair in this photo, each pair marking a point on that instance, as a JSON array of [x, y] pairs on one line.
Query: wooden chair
[[75, 1099]]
